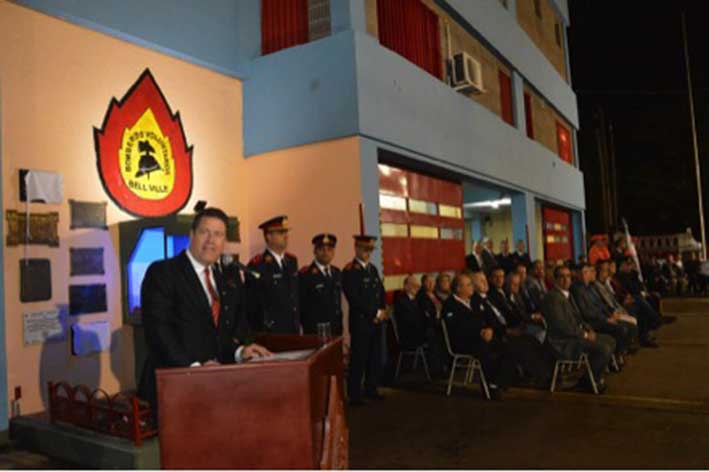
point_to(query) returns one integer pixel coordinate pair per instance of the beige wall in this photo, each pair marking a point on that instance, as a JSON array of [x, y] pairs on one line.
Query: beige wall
[[498, 228], [542, 31], [57, 80]]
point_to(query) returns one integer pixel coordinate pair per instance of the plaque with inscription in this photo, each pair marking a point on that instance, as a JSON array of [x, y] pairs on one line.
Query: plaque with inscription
[[86, 261], [43, 228], [35, 280], [90, 338], [87, 299], [88, 214], [43, 326]]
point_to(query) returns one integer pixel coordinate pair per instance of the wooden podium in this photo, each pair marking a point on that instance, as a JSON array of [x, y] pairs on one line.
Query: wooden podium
[[285, 414]]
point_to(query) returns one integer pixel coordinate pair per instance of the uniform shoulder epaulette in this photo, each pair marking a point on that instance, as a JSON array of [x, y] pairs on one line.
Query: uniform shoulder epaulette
[[292, 256], [303, 269], [257, 259]]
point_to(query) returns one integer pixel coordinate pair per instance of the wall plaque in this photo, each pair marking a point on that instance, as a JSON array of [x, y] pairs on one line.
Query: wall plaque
[[89, 338], [87, 299], [87, 214], [43, 326], [43, 228], [86, 261], [35, 280]]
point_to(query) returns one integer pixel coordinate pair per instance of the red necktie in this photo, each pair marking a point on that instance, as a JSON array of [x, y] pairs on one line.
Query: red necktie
[[216, 306]]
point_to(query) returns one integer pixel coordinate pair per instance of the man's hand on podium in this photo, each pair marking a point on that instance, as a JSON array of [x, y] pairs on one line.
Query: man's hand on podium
[[255, 350]]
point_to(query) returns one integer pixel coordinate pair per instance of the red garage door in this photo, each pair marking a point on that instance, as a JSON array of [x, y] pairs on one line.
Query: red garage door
[[558, 235], [421, 221]]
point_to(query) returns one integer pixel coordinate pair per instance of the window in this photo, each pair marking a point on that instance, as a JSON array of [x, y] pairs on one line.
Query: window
[[528, 117], [452, 233], [428, 232], [557, 33], [506, 98], [450, 211], [420, 206], [538, 8], [318, 19], [563, 138], [411, 29], [284, 23], [394, 230], [391, 202]]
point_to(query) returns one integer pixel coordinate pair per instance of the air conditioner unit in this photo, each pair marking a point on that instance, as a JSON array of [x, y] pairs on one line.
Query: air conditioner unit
[[467, 74]]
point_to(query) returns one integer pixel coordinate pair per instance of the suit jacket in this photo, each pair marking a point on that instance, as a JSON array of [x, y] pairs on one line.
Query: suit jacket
[[565, 327], [411, 322], [364, 292], [489, 261], [502, 303], [537, 291], [177, 319], [523, 258], [607, 296], [530, 304], [471, 262], [490, 319], [506, 261], [589, 304], [273, 294], [320, 298], [464, 325], [430, 308]]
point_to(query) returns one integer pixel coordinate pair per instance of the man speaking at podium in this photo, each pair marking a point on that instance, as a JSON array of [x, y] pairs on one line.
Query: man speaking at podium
[[191, 316]]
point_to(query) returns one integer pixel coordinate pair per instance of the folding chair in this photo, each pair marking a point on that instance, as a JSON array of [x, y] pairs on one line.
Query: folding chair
[[582, 362], [465, 361], [419, 352]]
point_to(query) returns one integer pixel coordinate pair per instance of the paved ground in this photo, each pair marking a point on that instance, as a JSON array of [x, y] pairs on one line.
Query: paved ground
[[655, 415]]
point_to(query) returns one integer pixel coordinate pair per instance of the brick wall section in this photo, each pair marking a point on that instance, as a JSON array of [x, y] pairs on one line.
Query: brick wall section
[[544, 119], [542, 31]]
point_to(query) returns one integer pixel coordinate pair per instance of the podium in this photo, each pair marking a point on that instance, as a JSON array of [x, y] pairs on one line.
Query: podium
[[283, 414]]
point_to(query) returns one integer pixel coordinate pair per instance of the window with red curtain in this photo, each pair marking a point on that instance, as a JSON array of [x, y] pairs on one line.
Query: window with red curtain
[[410, 29], [528, 117], [506, 98], [563, 138], [284, 23]]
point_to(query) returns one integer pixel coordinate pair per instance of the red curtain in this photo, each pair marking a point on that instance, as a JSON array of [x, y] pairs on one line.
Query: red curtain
[[506, 98], [529, 118], [410, 29], [284, 23], [563, 138]]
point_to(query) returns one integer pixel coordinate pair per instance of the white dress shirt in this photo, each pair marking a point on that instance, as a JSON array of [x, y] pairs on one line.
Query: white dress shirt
[[325, 270], [277, 257]]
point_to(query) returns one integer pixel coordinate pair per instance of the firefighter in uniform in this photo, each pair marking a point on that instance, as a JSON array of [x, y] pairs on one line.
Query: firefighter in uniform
[[320, 288], [365, 295], [272, 283]]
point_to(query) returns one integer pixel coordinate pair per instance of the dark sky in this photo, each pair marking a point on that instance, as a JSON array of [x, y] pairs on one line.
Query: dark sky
[[627, 57]]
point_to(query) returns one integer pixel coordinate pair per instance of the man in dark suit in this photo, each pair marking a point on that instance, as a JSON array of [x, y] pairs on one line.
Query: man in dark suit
[[536, 287], [320, 288], [191, 316], [411, 321], [505, 259], [520, 256], [474, 261], [365, 295], [489, 259], [569, 336], [272, 283]]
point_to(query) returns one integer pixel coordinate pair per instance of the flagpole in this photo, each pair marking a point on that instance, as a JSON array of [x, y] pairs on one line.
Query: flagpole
[[697, 167]]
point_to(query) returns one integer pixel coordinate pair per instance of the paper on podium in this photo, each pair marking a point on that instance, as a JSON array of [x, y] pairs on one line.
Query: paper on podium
[[296, 355]]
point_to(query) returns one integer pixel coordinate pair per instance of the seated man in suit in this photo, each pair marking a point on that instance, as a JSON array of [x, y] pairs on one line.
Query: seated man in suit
[[569, 336], [443, 287], [535, 284], [509, 330], [534, 321], [411, 321], [191, 316], [595, 313], [470, 335], [627, 289]]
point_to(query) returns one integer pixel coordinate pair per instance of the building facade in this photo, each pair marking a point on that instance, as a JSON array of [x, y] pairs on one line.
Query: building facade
[[448, 120]]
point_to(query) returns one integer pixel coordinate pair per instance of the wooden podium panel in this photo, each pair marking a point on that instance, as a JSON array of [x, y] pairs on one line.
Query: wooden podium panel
[[272, 415]]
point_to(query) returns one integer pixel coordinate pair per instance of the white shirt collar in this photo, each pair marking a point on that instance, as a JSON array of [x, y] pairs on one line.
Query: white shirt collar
[[320, 266], [482, 295], [362, 263], [279, 258], [464, 302], [564, 292], [196, 265]]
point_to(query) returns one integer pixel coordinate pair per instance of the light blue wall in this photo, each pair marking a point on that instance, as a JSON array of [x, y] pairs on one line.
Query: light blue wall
[[220, 34], [501, 29], [523, 222], [579, 228], [400, 104], [3, 356], [301, 95]]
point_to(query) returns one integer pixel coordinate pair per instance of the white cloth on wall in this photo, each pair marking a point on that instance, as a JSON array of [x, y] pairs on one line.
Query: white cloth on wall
[[45, 186]]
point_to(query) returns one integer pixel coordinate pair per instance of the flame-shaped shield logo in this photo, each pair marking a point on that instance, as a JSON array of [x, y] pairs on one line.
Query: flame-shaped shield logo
[[142, 154]]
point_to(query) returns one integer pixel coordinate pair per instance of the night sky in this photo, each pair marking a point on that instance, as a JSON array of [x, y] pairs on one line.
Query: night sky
[[627, 57]]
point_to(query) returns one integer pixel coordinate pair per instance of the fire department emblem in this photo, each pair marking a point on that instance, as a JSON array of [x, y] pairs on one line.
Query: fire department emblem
[[142, 154]]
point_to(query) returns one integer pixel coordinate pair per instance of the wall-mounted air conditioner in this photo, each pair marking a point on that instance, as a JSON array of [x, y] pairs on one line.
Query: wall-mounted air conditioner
[[467, 74]]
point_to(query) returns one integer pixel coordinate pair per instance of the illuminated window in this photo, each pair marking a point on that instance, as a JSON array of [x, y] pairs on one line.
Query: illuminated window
[[391, 202], [421, 206], [451, 233], [429, 232], [450, 211], [394, 230]]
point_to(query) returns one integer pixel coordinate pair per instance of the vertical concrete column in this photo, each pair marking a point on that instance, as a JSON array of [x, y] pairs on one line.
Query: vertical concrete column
[[348, 15], [578, 223], [476, 227], [518, 101], [369, 181], [523, 224]]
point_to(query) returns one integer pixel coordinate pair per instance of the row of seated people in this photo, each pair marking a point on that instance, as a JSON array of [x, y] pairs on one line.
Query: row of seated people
[[517, 326]]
